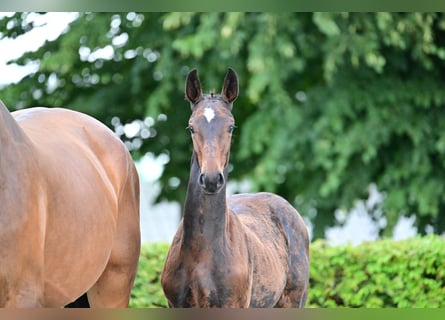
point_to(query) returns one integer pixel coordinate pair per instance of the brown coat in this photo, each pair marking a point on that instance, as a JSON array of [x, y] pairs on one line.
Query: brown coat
[[69, 204]]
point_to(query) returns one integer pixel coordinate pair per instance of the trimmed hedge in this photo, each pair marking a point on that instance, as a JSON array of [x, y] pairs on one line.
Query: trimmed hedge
[[147, 291], [384, 273]]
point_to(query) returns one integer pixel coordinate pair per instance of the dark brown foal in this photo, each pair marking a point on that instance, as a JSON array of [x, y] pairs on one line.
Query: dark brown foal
[[247, 250]]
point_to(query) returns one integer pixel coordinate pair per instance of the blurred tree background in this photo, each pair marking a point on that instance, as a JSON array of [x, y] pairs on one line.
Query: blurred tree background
[[330, 103]]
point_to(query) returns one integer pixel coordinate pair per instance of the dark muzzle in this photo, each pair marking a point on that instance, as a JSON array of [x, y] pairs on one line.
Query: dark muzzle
[[211, 182]]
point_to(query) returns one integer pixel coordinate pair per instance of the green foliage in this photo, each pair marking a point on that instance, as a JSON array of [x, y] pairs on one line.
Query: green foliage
[[147, 291], [383, 273], [329, 102]]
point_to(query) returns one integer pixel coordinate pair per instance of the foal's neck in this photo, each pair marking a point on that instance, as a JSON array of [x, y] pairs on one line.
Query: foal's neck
[[205, 215]]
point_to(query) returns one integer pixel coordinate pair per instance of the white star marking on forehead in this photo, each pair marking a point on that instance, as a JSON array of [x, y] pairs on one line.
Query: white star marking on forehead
[[209, 114]]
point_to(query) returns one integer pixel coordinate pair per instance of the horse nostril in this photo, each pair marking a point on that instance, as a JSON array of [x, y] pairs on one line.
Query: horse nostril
[[220, 181], [201, 180], [212, 182]]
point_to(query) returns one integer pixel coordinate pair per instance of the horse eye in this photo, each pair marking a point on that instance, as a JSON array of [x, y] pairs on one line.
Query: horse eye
[[190, 128], [231, 128]]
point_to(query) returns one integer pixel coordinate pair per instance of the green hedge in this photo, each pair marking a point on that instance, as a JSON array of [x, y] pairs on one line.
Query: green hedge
[[384, 273], [147, 291]]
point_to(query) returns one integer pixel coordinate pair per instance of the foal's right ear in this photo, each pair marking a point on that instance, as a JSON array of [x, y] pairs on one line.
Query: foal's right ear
[[193, 90]]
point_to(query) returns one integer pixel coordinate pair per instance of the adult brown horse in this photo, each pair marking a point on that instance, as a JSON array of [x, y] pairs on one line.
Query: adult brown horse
[[247, 250], [69, 211]]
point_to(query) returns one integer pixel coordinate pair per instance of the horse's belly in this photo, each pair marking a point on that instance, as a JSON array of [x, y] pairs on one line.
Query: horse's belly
[[269, 280]]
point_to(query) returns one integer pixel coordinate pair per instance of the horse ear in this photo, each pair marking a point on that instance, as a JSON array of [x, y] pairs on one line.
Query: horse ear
[[230, 88], [193, 90]]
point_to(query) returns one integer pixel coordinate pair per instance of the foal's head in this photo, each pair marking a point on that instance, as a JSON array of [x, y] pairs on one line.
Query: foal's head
[[211, 125]]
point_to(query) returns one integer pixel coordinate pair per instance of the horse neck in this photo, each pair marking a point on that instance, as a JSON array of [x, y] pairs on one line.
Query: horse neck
[[205, 216]]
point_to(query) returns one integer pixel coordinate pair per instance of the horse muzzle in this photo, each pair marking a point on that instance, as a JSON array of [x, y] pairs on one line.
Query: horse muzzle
[[211, 183]]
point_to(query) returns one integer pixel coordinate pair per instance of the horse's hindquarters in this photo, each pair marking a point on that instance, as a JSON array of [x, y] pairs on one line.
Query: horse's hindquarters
[[90, 207], [282, 238]]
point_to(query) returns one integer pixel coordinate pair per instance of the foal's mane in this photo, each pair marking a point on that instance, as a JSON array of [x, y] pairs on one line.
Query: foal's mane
[[212, 94]]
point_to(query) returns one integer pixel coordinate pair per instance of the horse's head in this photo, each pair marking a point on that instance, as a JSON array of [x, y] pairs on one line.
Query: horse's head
[[211, 125]]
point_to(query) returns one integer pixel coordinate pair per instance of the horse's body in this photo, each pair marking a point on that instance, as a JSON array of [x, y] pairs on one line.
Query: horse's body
[[69, 211], [247, 250]]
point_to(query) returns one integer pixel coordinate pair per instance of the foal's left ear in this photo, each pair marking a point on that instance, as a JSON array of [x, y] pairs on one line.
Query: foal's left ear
[[230, 88]]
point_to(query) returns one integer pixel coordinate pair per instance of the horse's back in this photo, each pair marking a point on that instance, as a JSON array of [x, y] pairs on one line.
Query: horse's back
[[74, 133], [279, 226], [91, 192], [70, 142], [270, 209]]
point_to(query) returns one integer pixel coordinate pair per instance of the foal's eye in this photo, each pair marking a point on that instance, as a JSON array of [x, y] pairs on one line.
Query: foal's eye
[[231, 128], [190, 128]]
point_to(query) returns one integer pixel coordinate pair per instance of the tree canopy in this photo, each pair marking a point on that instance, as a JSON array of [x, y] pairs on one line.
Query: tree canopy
[[330, 103]]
